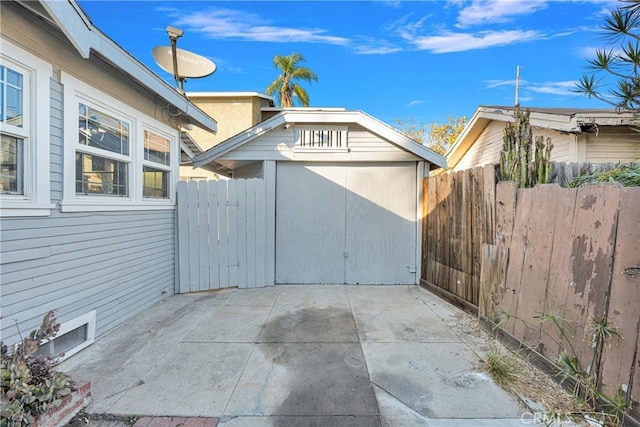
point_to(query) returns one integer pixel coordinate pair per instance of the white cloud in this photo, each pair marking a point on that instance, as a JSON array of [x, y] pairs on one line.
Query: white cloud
[[416, 102], [497, 11], [460, 42], [553, 88], [225, 24], [499, 83]]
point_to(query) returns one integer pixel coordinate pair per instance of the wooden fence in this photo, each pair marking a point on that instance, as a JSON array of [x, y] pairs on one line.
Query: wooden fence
[[572, 253], [221, 234]]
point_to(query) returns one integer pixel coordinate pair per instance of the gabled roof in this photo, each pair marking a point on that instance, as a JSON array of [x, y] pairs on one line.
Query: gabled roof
[[86, 38], [326, 116], [565, 120]]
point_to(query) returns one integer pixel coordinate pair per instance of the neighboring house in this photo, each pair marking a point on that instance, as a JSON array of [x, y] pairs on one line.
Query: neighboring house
[[91, 144], [234, 111], [343, 195], [577, 135]]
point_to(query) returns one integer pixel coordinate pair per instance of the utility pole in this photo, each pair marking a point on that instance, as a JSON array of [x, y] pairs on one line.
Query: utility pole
[[517, 84]]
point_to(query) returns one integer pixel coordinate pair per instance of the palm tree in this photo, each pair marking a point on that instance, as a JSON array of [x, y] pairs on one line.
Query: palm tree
[[285, 86], [620, 60]]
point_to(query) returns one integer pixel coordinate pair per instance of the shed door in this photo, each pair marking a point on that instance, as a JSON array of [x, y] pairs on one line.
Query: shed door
[[353, 224]]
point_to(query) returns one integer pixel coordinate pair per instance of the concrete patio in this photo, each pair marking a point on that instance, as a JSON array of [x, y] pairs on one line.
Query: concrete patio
[[298, 356]]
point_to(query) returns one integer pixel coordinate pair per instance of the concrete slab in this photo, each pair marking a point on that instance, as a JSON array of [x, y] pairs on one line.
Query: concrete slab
[[195, 379], [378, 296], [296, 355], [231, 323], [314, 379], [394, 413], [281, 421], [252, 297], [304, 296], [388, 323], [309, 324], [438, 380]]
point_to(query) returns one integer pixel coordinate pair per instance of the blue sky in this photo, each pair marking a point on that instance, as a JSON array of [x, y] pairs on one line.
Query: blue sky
[[425, 60]]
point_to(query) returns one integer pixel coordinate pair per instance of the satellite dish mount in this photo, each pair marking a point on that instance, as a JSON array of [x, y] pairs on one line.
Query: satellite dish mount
[[174, 35], [191, 65]]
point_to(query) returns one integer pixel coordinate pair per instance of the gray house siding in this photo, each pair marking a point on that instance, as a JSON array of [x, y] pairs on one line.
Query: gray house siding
[[117, 263], [56, 125]]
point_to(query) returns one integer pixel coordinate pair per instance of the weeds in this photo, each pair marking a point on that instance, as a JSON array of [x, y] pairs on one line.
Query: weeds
[[585, 382], [501, 367]]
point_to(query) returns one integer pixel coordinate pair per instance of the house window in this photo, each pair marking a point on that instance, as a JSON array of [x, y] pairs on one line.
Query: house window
[[99, 175], [123, 159], [24, 133], [324, 138], [156, 171], [97, 172], [12, 165]]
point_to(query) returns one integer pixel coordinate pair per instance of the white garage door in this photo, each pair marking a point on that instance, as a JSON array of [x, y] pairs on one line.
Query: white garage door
[[352, 224]]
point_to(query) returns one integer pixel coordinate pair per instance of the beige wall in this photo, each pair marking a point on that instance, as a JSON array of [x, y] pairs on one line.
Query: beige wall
[[234, 114], [610, 144], [613, 144]]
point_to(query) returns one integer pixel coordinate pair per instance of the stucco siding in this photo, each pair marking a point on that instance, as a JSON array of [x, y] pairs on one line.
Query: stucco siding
[[116, 263], [613, 144]]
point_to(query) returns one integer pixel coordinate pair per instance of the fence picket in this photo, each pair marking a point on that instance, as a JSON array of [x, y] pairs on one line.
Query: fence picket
[[214, 254], [183, 238], [203, 235], [194, 230]]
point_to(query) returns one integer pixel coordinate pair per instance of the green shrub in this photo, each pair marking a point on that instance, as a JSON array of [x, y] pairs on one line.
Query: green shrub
[[29, 382], [626, 175]]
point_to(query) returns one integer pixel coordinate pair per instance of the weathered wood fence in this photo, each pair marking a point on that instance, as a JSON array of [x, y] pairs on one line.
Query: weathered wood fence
[[572, 253], [221, 234]]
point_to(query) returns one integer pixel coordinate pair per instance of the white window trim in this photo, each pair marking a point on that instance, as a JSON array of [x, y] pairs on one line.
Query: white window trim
[[300, 128], [36, 200], [77, 91], [175, 152]]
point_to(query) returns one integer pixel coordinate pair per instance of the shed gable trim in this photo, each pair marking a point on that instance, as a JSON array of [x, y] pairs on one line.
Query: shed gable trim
[[318, 117]]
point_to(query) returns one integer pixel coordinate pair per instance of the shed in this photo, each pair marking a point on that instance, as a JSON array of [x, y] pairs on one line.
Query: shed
[[343, 195]]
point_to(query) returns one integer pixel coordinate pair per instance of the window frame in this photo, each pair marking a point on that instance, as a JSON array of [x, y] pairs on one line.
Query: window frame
[[35, 199], [78, 92], [155, 165]]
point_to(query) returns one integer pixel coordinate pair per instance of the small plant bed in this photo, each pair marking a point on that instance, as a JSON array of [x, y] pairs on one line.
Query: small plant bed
[[586, 403], [547, 400], [625, 175], [33, 391]]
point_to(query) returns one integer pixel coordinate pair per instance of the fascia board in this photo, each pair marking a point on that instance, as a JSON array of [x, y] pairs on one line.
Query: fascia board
[[85, 37], [400, 140], [238, 140], [187, 150], [466, 138], [72, 23]]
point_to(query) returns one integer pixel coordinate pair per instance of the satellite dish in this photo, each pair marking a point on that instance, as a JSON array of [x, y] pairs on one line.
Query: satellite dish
[[190, 65]]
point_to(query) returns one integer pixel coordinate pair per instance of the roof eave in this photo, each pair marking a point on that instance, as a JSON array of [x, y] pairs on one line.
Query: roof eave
[[85, 37]]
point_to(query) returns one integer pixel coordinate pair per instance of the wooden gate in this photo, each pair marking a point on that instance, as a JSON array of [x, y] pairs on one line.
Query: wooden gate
[[221, 234]]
